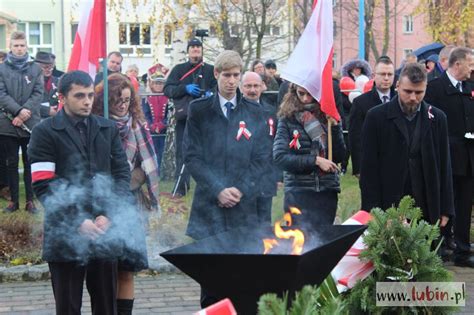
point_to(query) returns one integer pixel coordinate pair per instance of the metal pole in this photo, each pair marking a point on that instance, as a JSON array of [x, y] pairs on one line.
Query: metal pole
[[361, 29], [106, 87]]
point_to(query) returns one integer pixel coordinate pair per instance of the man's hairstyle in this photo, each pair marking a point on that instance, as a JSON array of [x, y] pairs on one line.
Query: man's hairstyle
[[116, 53], [415, 72], [74, 77], [385, 60], [18, 35], [254, 63], [228, 59], [444, 53], [457, 54]]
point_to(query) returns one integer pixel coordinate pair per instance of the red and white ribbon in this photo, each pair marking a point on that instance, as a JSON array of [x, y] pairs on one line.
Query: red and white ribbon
[[271, 124], [295, 143], [243, 131], [350, 269], [430, 114], [42, 171]]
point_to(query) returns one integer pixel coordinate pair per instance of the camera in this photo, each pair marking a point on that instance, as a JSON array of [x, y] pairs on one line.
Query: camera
[[202, 33]]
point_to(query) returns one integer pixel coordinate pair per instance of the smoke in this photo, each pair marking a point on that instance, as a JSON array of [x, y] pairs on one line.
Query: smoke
[[73, 201]]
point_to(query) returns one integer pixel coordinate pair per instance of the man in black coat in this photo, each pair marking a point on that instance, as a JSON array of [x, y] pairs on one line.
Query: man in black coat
[[71, 154], [224, 154], [453, 94], [405, 151], [442, 63], [382, 92], [114, 65], [251, 87], [186, 82]]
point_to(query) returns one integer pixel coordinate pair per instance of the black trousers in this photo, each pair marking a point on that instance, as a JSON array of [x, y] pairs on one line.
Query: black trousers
[[9, 147], [101, 280], [462, 186], [264, 210], [183, 185]]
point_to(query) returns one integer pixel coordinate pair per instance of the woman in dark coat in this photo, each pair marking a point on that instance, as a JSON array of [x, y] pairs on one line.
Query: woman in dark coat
[[301, 150]]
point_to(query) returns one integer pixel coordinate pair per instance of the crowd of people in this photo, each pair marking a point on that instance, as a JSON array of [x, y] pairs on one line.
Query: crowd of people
[[410, 133]]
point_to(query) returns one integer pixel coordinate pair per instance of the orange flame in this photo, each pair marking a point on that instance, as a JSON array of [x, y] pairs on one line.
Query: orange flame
[[296, 234]]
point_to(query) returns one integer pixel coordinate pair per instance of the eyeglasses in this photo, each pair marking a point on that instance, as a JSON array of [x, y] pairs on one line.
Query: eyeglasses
[[46, 66], [383, 74], [121, 101]]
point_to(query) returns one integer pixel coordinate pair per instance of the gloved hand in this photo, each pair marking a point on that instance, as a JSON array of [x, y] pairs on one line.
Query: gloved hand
[[193, 89]]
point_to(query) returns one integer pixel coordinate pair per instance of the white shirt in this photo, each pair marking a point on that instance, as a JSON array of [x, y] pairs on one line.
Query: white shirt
[[453, 80], [381, 95], [223, 101]]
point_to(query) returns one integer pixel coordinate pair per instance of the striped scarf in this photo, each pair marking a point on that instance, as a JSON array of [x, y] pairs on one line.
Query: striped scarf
[[139, 149], [316, 130]]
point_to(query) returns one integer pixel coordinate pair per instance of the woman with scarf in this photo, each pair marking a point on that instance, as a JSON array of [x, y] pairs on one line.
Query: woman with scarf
[[301, 149], [125, 110]]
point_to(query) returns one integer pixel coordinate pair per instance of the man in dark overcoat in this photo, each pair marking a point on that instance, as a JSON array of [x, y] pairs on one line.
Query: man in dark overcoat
[[453, 94], [187, 81], [382, 92], [405, 151], [71, 154], [225, 156]]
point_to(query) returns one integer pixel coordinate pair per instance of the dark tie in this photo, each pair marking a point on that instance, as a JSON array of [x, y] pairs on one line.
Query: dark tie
[[385, 99], [228, 106], [82, 128], [458, 87]]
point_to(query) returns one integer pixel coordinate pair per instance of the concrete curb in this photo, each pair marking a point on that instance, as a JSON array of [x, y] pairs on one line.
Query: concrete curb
[[41, 272]]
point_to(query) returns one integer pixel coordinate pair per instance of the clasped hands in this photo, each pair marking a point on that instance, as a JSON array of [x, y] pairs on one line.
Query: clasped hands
[[22, 116], [93, 229], [229, 197]]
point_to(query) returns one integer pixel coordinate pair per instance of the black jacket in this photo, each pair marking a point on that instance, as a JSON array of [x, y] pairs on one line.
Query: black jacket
[[69, 197], [217, 160], [360, 106], [299, 165], [459, 109], [176, 89], [387, 159]]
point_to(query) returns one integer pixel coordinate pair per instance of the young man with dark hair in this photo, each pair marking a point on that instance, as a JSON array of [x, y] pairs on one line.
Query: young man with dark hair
[[186, 82], [405, 151], [453, 94], [21, 92], [69, 153], [382, 92]]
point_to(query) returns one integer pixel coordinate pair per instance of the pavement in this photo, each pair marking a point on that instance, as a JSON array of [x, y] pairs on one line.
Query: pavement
[[161, 293]]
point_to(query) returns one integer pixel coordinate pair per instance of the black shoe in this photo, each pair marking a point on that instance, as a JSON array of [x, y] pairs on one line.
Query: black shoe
[[30, 207], [464, 261], [12, 206], [450, 243]]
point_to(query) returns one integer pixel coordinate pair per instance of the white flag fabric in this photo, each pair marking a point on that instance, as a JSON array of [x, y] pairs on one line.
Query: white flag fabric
[[310, 63]]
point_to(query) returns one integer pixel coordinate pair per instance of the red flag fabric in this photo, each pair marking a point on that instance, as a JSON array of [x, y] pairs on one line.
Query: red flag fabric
[[310, 63], [90, 41]]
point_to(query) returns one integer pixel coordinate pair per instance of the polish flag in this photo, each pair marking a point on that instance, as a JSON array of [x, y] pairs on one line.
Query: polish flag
[[350, 268], [90, 41], [310, 63], [42, 171]]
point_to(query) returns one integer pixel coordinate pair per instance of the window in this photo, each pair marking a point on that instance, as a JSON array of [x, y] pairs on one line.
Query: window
[[234, 31], [135, 39], [407, 51], [3, 37], [407, 24], [276, 31], [39, 35], [73, 31], [334, 61]]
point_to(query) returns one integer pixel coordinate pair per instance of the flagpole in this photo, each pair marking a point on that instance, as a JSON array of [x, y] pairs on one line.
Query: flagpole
[[106, 87], [330, 138], [361, 30]]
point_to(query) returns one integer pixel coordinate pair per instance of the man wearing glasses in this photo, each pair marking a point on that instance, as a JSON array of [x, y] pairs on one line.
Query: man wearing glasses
[[382, 92], [49, 105]]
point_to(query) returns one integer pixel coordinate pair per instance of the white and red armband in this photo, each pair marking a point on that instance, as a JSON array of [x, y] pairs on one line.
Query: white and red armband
[[42, 171]]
